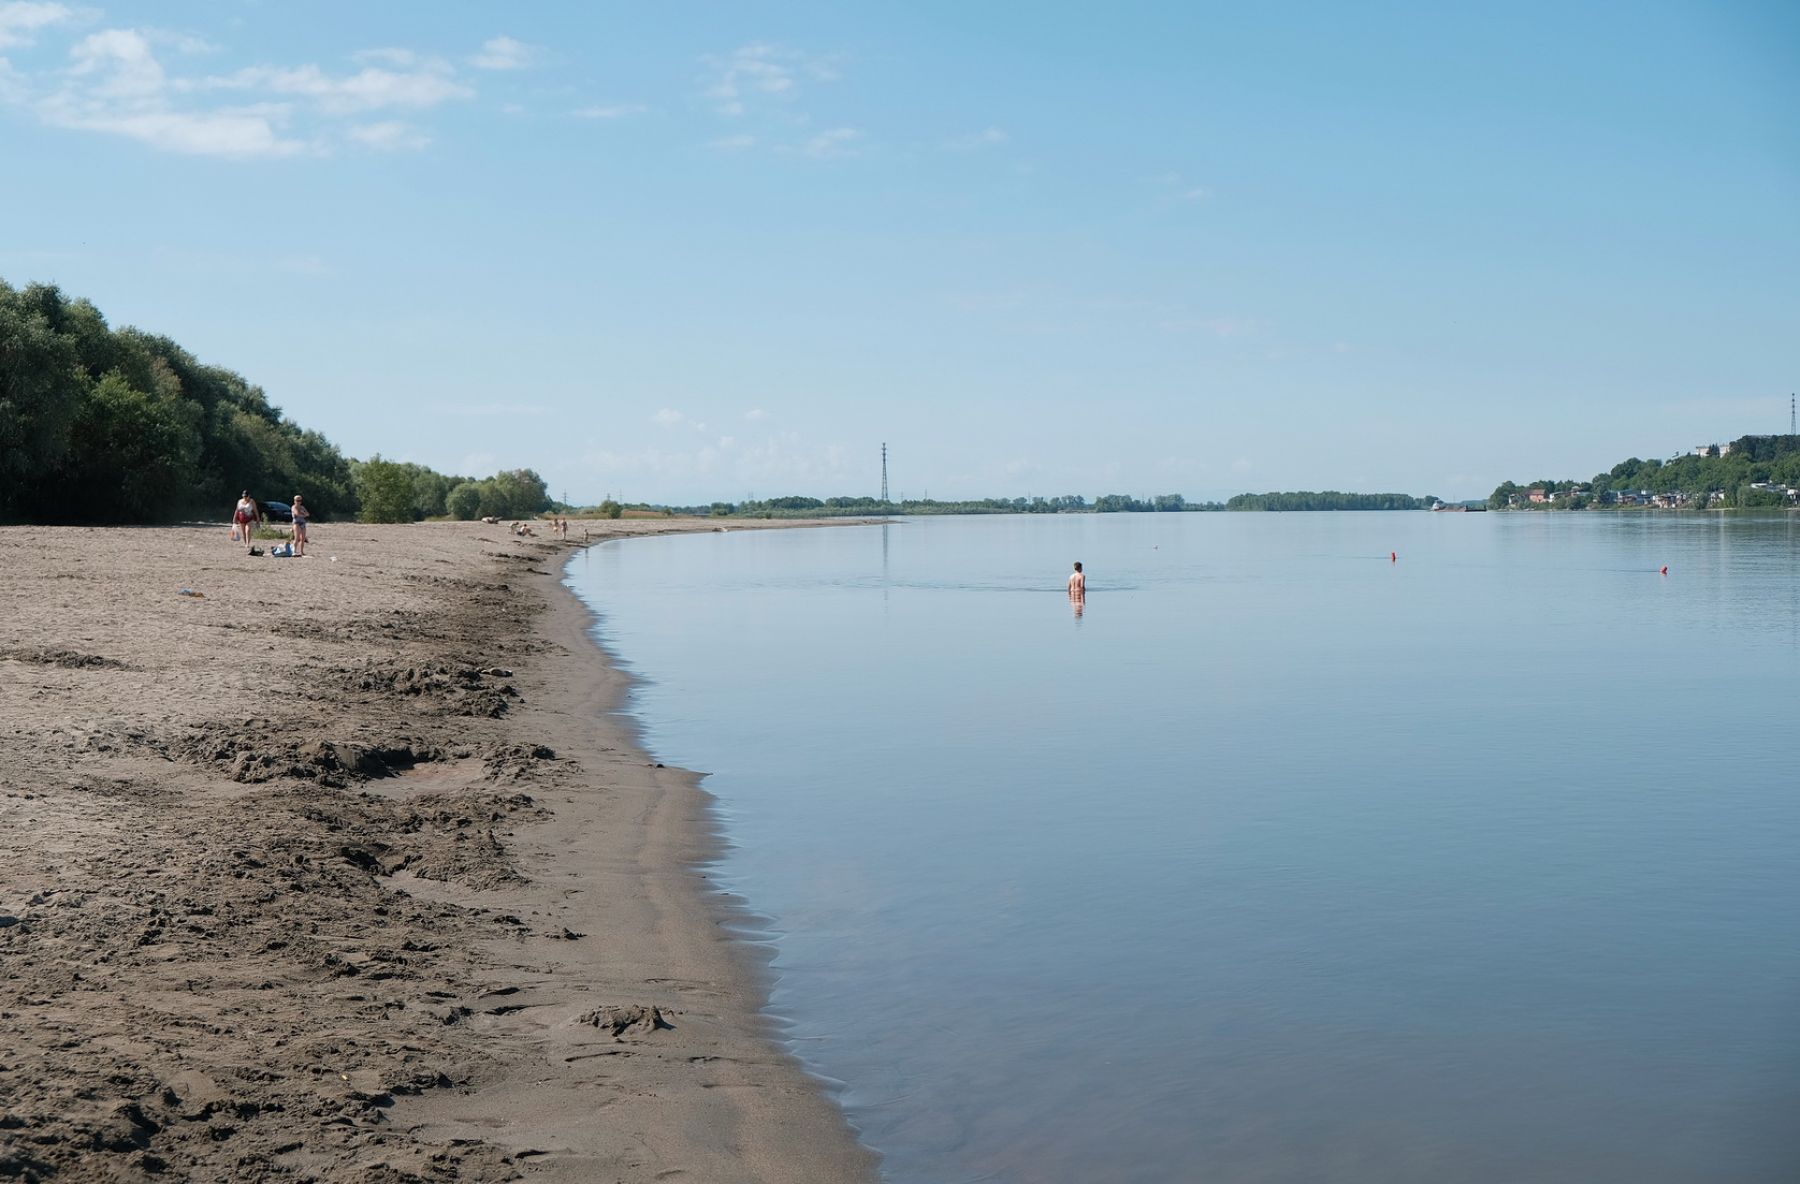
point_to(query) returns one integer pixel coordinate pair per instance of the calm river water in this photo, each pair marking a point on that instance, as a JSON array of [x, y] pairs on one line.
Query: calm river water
[[1285, 861]]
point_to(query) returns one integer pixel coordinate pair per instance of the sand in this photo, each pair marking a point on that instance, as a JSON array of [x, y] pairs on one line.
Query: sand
[[342, 870]]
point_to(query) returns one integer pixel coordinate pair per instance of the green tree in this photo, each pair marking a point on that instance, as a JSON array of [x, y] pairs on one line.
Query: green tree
[[519, 493], [385, 491], [464, 501], [41, 390], [132, 454]]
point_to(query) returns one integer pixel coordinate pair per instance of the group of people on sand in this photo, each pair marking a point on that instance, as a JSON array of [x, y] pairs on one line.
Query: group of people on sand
[[559, 527], [249, 515]]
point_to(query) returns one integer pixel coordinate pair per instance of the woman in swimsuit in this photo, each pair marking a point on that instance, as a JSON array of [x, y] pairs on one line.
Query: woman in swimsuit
[[300, 517], [246, 514]]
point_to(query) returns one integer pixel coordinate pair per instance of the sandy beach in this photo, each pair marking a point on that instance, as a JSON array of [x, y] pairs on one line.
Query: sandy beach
[[341, 869]]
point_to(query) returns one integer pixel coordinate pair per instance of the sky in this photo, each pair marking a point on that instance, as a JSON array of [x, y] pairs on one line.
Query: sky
[[689, 252]]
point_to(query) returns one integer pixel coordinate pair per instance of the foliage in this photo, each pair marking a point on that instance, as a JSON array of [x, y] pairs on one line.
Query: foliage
[[611, 509], [464, 501], [105, 425], [1731, 470], [385, 490], [98, 424], [1330, 499], [868, 507]]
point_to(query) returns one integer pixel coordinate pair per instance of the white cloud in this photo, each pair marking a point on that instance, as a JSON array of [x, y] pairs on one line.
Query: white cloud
[[739, 143], [1221, 327], [493, 409], [1196, 193], [12, 85], [121, 64], [609, 111], [833, 143], [756, 414], [390, 135], [503, 53], [668, 417], [369, 89], [785, 460], [20, 20], [986, 138], [303, 265], [390, 55], [211, 133], [761, 70], [115, 84]]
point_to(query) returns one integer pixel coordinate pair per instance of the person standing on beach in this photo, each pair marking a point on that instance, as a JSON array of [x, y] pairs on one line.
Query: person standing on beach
[[245, 516], [1078, 584], [300, 518]]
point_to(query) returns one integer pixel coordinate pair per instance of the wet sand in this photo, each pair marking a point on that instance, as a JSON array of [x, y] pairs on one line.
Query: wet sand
[[343, 871]]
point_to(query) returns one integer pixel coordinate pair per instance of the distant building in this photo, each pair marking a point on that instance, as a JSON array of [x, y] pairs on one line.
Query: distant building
[[1536, 495]]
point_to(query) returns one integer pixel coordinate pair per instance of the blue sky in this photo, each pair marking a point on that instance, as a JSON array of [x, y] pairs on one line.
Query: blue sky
[[680, 252]]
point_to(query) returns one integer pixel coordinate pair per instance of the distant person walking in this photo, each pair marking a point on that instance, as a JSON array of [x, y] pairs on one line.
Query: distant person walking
[[1077, 584], [244, 518], [300, 520]]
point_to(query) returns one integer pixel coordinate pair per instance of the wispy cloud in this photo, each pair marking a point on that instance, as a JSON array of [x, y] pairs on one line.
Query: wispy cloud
[[737, 143], [423, 85], [609, 111], [303, 265], [1222, 327], [975, 141], [668, 417], [503, 53], [756, 414], [761, 71], [1179, 190], [785, 460], [20, 20], [116, 82], [492, 410], [389, 135], [832, 144]]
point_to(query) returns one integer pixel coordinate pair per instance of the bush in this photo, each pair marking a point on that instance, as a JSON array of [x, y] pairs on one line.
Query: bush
[[464, 502], [385, 490]]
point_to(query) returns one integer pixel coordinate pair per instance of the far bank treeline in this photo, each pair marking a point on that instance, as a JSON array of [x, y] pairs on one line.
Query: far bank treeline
[[1110, 503], [105, 425], [1751, 472]]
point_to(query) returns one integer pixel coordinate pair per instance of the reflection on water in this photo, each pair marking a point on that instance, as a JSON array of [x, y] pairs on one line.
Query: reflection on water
[[1352, 847]]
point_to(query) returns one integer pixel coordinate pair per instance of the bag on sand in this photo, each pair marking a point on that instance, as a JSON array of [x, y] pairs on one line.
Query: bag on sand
[[256, 550]]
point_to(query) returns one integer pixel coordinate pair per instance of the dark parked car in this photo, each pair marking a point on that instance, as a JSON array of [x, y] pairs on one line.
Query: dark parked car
[[278, 511]]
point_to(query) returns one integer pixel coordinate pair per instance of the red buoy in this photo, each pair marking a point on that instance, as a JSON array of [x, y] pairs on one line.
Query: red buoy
[[1665, 569], [1393, 557]]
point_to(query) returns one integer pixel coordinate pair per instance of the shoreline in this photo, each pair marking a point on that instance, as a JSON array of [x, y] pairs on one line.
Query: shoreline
[[353, 868], [755, 1112]]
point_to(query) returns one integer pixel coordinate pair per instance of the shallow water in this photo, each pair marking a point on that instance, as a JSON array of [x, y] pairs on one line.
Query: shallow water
[[1282, 862]]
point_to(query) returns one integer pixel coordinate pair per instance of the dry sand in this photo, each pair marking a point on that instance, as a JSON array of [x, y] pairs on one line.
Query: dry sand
[[342, 871]]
